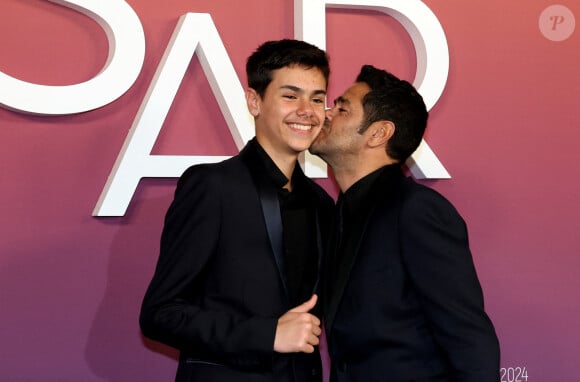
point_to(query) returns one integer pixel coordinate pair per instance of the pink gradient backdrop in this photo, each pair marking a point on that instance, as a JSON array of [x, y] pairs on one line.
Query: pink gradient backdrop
[[505, 128]]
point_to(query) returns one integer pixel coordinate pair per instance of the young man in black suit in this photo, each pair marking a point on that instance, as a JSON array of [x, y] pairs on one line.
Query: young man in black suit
[[234, 285], [402, 299]]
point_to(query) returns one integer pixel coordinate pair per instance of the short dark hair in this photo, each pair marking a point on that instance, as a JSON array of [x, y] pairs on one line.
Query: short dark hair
[[395, 100], [273, 55]]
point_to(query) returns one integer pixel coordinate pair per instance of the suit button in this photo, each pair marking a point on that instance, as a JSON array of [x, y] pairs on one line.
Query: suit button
[[342, 367]]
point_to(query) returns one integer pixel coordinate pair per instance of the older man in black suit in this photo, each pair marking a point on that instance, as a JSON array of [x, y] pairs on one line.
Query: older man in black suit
[[234, 285], [401, 295]]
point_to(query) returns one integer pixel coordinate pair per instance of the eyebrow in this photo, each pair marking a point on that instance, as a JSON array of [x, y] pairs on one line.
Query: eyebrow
[[342, 100], [300, 90]]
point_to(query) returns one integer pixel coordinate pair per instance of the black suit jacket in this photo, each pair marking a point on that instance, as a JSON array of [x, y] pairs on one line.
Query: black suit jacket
[[406, 303], [219, 286]]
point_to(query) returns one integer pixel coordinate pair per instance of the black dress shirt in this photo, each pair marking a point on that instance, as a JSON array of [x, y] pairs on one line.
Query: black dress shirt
[[350, 206], [299, 231]]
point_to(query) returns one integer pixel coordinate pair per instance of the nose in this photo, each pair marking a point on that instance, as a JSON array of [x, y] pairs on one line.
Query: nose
[[305, 109]]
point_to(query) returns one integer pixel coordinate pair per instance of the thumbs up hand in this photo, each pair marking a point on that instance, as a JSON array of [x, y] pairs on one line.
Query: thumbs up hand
[[298, 330]]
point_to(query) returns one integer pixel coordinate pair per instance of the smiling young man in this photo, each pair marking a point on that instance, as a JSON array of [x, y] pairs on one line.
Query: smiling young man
[[234, 287]]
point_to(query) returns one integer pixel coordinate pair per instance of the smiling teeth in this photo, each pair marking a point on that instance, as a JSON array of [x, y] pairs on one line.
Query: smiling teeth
[[300, 127]]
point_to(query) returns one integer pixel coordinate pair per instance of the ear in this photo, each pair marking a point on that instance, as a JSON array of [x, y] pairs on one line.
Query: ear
[[253, 102], [380, 133]]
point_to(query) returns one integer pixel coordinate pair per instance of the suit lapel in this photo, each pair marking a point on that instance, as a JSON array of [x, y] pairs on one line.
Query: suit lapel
[[273, 220], [270, 209], [381, 190], [319, 249], [342, 272]]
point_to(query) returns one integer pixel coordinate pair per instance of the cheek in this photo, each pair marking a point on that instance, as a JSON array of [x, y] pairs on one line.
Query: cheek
[[271, 113], [321, 114]]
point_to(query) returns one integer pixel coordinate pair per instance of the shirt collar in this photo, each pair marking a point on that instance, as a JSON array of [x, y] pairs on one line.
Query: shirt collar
[[273, 173], [358, 194]]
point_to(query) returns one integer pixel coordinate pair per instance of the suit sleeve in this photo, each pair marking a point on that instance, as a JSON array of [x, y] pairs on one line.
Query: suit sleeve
[[439, 262], [171, 311]]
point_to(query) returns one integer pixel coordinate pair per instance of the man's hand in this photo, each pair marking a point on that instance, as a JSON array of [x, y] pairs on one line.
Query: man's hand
[[298, 330]]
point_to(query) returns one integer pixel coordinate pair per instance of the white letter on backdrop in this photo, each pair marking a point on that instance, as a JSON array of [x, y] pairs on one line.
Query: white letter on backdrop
[[135, 161], [432, 60], [126, 55]]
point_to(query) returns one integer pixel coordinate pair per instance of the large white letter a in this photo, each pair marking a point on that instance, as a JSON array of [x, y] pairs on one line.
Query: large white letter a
[[194, 32]]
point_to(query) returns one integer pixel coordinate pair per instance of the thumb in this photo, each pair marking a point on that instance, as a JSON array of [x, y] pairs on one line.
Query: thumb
[[307, 306]]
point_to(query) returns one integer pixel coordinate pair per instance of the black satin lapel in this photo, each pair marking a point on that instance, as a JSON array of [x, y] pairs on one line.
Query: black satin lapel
[[273, 220], [270, 208]]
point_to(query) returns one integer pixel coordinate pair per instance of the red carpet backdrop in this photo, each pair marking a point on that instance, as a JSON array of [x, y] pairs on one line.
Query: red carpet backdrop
[[102, 108]]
